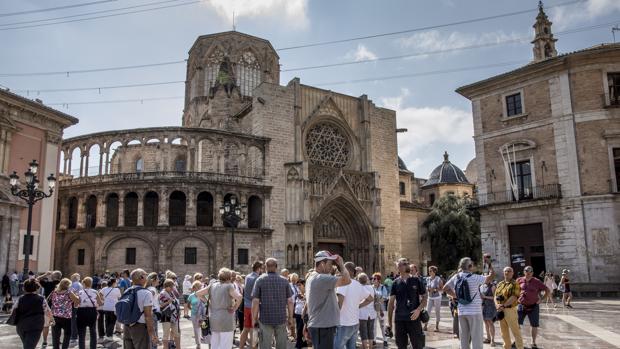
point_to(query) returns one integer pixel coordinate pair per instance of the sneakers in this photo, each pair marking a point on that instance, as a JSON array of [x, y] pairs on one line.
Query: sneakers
[[73, 343], [44, 345]]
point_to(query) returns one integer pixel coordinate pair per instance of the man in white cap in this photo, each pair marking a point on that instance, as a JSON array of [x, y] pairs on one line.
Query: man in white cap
[[322, 303]]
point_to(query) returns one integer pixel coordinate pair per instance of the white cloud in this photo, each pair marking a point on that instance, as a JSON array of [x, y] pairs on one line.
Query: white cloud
[[435, 40], [361, 53], [566, 16], [428, 127], [293, 12]]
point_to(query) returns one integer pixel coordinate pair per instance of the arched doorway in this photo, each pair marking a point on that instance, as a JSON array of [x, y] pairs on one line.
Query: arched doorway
[[343, 228]]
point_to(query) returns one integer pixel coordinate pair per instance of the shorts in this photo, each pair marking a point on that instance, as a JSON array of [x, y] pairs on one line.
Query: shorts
[[185, 297], [170, 330], [247, 318], [367, 329], [532, 313]]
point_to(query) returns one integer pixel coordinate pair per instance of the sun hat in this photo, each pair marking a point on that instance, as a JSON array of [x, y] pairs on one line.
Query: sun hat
[[565, 271], [323, 255]]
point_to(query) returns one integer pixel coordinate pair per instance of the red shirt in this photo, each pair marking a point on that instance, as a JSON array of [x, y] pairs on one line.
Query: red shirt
[[530, 290]]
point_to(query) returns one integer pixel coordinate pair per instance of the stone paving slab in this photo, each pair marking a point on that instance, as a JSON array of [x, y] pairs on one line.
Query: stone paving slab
[[592, 324]]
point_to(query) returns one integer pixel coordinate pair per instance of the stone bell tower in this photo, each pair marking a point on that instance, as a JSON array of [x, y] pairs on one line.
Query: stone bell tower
[[222, 71], [544, 43]]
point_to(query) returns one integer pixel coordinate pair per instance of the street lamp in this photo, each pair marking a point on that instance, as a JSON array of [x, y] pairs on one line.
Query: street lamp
[[31, 194], [232, 213]]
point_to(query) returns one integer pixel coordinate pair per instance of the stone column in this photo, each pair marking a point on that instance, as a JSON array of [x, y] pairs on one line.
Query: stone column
[[219, 201], [101, 163], [107, 161], [243, 199], [100, 210], [64, 213], [190, 215], [81, 212], [121, 209], [163, 208], [6, 151], [70, 159], [86, 157], [140, 208]]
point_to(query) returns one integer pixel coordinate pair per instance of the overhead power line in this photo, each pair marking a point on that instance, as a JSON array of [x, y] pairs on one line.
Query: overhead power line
[[92, 70], [377, 78], [28, 24], [436, 26], [54, 8]]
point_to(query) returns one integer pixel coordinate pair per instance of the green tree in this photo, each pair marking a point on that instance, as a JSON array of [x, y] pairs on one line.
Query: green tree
[[453, 231]]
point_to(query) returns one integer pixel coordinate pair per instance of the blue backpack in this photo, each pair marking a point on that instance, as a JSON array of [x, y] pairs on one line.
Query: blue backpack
[[462, 290], [127, 310]]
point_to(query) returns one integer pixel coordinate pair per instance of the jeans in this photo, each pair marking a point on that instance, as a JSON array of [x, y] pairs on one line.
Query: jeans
[[266, 336], [346, 336], [74, 332], [197, 329], [299, 328], [470, 329], [105, 323], [87, 318], [322, 338], [30, 338], [409, 330], [64, 325]]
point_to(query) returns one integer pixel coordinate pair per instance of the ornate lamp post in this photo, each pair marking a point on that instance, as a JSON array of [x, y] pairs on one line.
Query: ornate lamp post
[[232, 213], [31, 194]]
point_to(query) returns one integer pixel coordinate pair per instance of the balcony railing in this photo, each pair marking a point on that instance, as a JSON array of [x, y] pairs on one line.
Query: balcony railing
[[549, 191], [614, 97], [141, 176]]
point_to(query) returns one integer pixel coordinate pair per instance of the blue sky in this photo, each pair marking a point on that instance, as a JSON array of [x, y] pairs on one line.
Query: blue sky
[[437, 118]]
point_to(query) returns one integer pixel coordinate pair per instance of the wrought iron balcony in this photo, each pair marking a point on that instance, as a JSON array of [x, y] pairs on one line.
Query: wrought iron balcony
[[544, 192]]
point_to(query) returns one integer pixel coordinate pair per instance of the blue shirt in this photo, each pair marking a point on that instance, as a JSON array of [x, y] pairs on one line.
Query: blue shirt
[[247, 291], [124, 284], [273, 291]]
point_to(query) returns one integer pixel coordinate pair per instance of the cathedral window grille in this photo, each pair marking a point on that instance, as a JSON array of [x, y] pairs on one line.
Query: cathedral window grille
[[212, 69], [80, 256], [131, 209], [243, 256], [151, 209], [91, 212], [191, 255], [112, 210], [327, 146], [247, 73], [177, 207], [204, 209], [130, 255]]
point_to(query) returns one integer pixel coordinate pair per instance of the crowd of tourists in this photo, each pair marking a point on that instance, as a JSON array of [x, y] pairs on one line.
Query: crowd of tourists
[[334, 305]]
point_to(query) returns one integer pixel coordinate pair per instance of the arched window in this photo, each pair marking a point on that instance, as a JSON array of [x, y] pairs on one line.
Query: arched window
[[401, 188], [247, 73], [131, 209], [296, 255], [212, 69], [176, 209], [139, 165], [111, 210], [227, 199], [204, 209], [255, 212], [289, 255], [73, 210], [151, 209]]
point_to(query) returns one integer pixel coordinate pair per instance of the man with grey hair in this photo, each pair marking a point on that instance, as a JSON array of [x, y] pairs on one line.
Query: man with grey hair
[[140, 335], [465, 282], [272, 305]]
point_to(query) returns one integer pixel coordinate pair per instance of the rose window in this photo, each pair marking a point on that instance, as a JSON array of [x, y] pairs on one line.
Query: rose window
[[327, 146]]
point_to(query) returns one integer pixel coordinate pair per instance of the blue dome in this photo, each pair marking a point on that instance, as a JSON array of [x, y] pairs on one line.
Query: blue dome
[[446, 173]]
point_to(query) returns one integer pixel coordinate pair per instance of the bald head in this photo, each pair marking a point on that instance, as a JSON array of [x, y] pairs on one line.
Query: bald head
[[272, 265], [138, 277]]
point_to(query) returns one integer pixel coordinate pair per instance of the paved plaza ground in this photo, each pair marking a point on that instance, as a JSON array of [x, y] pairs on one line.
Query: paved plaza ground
[[592, 324]]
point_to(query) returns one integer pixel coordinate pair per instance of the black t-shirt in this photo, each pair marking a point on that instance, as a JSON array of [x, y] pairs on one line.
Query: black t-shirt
[[407, 293], [48, 286]]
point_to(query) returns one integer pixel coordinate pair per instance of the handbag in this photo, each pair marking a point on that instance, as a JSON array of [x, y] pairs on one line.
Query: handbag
[[14, 318], [424, 316]]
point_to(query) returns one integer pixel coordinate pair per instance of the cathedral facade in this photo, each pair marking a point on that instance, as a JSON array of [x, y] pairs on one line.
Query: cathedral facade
[[315, 170]]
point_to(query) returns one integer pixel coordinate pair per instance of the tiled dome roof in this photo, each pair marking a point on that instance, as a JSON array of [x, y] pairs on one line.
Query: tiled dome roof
[[446, 173]]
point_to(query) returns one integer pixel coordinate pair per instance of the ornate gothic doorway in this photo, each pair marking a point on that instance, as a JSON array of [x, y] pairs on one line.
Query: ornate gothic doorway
[[342, 228]]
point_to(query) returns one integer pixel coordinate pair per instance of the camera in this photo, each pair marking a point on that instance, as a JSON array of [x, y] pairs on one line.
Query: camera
[[499, 316], [500, 298]]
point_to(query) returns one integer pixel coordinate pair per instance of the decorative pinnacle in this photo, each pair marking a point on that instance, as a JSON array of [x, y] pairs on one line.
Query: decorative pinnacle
[[445, 156], [540, 5]]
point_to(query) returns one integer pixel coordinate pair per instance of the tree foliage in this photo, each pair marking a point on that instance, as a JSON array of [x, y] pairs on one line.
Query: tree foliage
[[453, 231]]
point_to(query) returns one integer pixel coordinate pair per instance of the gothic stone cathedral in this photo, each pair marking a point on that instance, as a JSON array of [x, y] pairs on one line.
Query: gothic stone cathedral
[[317, 170]]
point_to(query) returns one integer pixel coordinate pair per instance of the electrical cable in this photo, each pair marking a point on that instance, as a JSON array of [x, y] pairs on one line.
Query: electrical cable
[[97, 12], [378, 78], [55, 8]]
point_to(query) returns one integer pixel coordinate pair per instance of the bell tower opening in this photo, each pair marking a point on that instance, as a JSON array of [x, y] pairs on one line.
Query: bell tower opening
[[544, 42]]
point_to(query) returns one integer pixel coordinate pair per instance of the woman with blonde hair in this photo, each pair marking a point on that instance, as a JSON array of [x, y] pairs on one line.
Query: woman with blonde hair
[[87, 313], [224, 301], [62, 300], [170, 314]]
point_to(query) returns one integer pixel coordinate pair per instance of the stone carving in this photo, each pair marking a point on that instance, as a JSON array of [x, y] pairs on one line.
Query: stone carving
[[327, 146], [331, 229]]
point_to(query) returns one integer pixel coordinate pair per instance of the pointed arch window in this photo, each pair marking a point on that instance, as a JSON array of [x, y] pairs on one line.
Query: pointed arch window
[[247, 73]]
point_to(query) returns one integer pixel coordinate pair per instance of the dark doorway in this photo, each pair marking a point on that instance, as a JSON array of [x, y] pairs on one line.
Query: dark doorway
[[73, 211], [176, 209], [204, 209], [333, 247], [527, 247], [111, 210], [151, 209], [255, 212], [131, 209]]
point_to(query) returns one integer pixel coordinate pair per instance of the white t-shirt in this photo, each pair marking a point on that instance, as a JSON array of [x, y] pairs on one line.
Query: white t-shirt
[[88, 298], [474, 282], [111, 296], [145, 299], [155, 294], [187, 287], [354, 293], [368, 311]]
